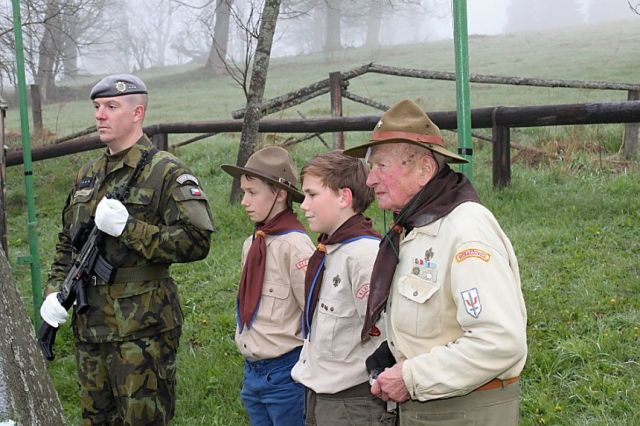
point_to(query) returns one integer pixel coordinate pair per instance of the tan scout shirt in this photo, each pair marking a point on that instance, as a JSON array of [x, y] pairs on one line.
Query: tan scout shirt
[[333, 357], [456, 311], [276, 329]]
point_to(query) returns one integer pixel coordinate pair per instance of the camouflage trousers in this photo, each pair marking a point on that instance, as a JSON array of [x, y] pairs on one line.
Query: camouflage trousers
[[128, 383]]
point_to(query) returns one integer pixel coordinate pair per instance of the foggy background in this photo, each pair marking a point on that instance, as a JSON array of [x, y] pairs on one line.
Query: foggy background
[[67, 39]]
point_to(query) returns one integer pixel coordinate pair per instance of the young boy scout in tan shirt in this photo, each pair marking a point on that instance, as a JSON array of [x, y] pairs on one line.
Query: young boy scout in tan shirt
[[271, 295], [332, 362]]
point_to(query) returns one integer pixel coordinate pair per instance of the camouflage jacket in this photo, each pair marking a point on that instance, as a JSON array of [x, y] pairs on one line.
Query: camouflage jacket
[[169, 221]]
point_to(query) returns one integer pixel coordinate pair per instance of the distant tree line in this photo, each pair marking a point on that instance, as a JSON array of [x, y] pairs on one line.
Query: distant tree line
[[65, 39]]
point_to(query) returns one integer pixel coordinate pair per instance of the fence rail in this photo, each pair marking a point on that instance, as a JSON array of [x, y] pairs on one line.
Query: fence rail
[[500, 119], [531, 116]]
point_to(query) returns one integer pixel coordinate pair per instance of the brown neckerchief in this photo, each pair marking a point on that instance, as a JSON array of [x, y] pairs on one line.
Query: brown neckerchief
[[355, 228], [436, 199], [252, 277]]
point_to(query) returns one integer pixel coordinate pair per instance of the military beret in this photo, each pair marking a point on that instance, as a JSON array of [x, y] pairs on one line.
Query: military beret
[[118, 85]]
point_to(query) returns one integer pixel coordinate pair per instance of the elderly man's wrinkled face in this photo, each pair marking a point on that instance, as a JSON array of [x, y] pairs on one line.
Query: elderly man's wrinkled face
[[398, 172]]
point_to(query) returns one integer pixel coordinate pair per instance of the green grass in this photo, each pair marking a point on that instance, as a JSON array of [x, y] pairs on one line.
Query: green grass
[[573, 221]]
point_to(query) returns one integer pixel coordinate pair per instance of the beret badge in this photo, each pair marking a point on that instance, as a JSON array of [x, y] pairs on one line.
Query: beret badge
[[121, 86]]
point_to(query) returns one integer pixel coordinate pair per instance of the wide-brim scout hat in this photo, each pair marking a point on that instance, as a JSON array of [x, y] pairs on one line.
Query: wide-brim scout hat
[[405, 122], [117, 85], [273, 165]]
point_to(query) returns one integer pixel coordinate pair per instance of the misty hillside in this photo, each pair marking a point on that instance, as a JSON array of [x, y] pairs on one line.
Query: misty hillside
[[605, 52]]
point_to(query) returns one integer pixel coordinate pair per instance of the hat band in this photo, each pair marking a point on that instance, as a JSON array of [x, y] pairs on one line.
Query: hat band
[[280, 180], [415, 137]]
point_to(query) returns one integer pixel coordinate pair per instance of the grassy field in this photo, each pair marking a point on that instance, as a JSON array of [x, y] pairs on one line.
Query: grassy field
[[573, 221]]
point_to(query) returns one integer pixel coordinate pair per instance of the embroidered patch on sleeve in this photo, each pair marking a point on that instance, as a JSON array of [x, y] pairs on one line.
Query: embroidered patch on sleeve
[[363, 291], [472, 252], [182, 179], [471, 300], [302, 264], [196, 192]]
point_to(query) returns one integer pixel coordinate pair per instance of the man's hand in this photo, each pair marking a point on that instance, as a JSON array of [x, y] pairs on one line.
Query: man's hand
[[111, 216], [389, 385], [52, 312]]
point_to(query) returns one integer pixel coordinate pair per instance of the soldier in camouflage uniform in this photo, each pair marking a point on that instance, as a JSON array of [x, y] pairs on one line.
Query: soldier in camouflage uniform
[[126, 341]]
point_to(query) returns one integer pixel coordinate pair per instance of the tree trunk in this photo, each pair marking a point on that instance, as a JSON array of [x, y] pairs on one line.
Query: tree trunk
[[49, 50], [374, 24], [69, 42], [27, 395], [220, 42], [249, 135], [333, 26]]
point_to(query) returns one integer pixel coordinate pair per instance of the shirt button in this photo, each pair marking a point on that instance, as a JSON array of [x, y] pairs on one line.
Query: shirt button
[[270, 290], [331, 309], [415, 293], [392, 343]]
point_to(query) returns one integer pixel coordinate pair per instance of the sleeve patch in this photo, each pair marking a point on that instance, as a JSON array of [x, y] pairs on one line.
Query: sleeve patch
[[184, 193], [363, 291], [471, 300], [472, 252], [302, 264], [182, 179]]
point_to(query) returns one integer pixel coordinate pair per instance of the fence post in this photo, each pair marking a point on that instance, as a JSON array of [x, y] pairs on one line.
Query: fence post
[[631, 130], [161, 141], [3, 208], [501, 156], [36, 107], [335, 84]]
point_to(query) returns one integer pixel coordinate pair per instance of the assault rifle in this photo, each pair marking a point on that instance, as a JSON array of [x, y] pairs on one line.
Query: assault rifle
[[87, 265]]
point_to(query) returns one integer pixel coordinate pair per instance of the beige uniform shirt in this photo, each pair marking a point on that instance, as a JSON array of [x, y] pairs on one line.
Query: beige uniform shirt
[[456, 311], [276, 328], [333, 357]]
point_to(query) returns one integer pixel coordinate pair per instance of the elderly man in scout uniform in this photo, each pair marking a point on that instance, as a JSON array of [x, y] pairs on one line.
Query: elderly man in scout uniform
[[448, 277], [126, 341]]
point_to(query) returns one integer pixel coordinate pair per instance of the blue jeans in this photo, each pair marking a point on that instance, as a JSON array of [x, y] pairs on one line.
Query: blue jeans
[[269, 395]]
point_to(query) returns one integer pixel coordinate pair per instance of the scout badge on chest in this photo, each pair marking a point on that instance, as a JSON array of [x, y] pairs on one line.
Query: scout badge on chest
[[425, 267]]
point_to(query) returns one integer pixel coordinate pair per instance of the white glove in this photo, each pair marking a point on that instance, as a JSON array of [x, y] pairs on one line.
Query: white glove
[[52, 312], [111, 216]]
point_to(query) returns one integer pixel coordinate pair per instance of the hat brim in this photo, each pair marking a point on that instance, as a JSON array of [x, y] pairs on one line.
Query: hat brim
[[360, 151], [236, 172]]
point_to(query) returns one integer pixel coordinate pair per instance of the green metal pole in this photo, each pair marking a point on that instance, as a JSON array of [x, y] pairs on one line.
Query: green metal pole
[[463, 101], [34, 258]]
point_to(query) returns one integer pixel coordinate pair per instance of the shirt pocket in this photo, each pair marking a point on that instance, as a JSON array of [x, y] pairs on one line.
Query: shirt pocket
[[138, 204], [418, 308], [274, 304], [193, 206], [136, 306], [81, 207], [337, 330]]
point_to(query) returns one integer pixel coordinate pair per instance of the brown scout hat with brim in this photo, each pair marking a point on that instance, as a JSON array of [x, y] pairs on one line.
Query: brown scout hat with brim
[[405, 122], [273, 165]]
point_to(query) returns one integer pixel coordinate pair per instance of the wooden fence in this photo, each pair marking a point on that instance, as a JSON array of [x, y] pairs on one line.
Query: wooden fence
[[338, 82], [499, 119]]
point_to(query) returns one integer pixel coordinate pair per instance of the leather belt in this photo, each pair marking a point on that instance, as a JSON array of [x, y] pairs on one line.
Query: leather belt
[[363, 389], [498, 383]]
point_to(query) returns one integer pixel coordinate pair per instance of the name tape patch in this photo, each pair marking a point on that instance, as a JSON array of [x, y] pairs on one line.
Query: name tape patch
[[472, 252], [187, 178], [302, 264], [363, 291]]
